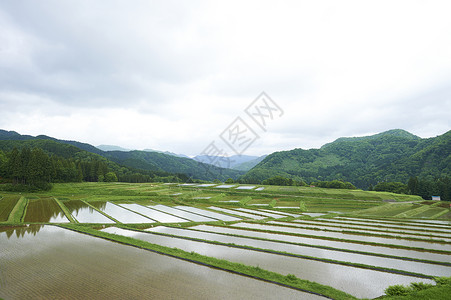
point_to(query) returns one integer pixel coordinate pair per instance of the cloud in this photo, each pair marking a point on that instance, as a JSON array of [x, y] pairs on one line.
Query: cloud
[[172, 75]]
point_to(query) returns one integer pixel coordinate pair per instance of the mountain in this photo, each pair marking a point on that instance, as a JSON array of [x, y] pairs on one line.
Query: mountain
[[166, 152], [169, 163], [12, 135], [155, 162], [247, 165], [225, 162], [111, 148], [393, 155]]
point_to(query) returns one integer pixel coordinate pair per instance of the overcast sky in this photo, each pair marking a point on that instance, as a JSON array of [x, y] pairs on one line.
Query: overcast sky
[[173, 75]]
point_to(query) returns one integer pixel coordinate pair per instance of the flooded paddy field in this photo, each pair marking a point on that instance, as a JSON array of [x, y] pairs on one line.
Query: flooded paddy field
[[38, 260], [123, 215], [331, 223], [355, 281], [408, 266], [339, 235], [237, 212], [44, 210], [399, 224], [154, 214], [327, 243], [207, 213], [7, 204], [84, 213], [366, 230], [46, 262], [181, 213]]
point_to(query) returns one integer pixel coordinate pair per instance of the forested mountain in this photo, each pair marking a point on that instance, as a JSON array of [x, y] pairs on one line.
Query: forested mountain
[[395, 155], [153, 163], [231, 162], [33, 161], [247, 165], [160, 161]]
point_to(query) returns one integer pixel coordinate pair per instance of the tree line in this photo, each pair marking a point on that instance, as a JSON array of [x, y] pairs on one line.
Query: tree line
[[34, 169], [424, 187]]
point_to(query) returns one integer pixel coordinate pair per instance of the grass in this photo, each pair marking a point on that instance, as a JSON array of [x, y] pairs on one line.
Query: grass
[[415, 291], [6, 206], [17, 213]]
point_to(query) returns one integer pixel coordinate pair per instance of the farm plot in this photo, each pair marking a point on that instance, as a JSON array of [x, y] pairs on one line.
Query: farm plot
[[338, 235], [51, 262], [44, 210], [181, 213], [84, 213], [208, 213], [409, 225], [315, 253], [153, 214], [123, 215], [238, 213], [372, 231], [7, 204], [396, 230], [335, 244], [355, 281]]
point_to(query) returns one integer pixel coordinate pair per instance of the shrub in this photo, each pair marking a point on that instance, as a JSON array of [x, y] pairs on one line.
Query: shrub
[[397, 290]]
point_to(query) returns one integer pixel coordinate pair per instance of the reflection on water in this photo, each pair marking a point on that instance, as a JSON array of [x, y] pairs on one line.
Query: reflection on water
[[123, 215], [44, 210], [20, 230], [85, 213], [356, 281], [60, 264]]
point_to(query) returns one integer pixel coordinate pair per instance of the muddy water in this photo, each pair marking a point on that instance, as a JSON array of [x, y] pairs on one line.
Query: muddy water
[[44, 210], [208, 213], [420, 235], [369, 227], [355, 281], [416, 267], [236, 212], [54, 263], [338, 235], [84, 213], [181, 213], [123, 215], [334, 244]]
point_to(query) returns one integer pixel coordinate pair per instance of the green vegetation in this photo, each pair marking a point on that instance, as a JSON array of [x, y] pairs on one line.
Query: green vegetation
[[390, 156], [419, 290]]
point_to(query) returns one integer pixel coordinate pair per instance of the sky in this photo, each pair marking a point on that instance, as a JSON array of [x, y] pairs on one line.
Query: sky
[[176, 75]]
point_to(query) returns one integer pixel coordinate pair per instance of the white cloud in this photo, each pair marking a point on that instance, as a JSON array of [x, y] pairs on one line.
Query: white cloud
[[172, 75]]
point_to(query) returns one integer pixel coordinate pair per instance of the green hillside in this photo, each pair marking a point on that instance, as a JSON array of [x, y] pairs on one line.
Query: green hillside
[[394, 155], [154, 163], [169, 163]]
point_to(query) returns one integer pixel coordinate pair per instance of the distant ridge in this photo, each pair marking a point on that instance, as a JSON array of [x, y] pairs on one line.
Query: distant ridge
[[393, 155]]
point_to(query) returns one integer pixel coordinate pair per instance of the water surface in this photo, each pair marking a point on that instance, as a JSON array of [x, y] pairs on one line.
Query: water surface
[[53, 263], [356, 281], [44, 210]]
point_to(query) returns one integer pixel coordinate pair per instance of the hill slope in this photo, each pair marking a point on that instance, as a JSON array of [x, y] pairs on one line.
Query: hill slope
[[155, 162], [394, 155]]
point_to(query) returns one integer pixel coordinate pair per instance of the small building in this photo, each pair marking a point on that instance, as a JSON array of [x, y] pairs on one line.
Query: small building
[[436, 198]]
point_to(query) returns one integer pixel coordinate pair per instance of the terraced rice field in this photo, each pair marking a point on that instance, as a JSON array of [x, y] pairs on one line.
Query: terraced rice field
[[204, 241]]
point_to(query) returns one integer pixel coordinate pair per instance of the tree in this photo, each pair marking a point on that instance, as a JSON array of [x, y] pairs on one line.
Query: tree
[[230, 180], [110, 177]]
